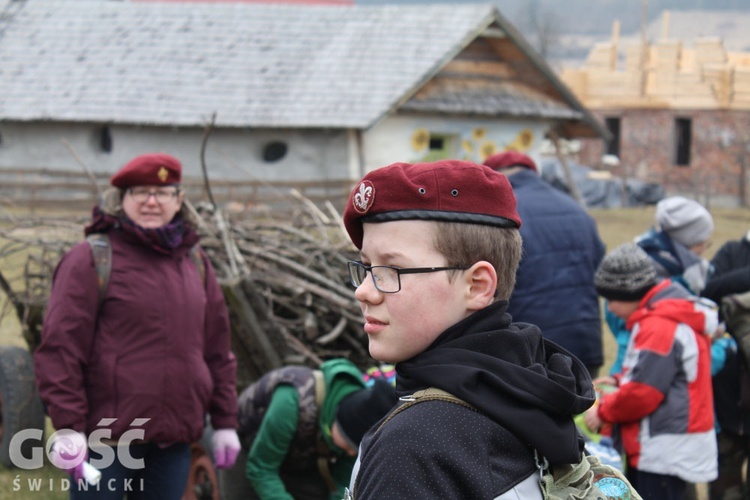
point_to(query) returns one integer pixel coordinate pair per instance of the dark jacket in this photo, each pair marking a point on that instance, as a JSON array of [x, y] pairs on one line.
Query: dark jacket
[[157, 348], [731, 274], [555, 279], [526, 391], [731, 270]]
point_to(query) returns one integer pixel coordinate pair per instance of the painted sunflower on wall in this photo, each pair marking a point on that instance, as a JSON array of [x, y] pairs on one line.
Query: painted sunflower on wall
[[420, 139]]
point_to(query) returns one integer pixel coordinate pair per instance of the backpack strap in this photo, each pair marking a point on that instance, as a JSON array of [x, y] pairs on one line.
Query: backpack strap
[[320, 388], [429, 394], [102, 252], [197, 258], [323, 451]]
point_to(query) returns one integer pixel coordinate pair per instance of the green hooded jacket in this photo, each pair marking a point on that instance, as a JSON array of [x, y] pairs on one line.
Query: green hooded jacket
[[278, 428]]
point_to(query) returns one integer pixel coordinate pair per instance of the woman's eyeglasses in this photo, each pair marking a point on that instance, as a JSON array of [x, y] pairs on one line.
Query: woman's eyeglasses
[[162, 196]]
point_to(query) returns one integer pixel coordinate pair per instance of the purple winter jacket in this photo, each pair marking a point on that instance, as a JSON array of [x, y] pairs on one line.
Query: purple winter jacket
[[158, 349]]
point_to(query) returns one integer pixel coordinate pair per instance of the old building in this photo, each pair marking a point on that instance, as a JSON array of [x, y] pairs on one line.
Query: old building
[[679, 114], [268, 95]]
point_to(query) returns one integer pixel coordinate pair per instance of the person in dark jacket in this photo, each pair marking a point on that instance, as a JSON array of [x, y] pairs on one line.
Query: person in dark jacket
[[439, 246], [731, 274], [139, 369], [561, 251]]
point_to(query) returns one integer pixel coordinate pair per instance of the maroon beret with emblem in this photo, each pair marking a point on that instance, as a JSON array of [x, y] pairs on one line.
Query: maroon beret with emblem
[[446, 190], [153, 169], [508, 159]]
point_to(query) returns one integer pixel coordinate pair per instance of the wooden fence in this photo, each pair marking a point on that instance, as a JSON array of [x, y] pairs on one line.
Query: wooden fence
[[45, 189]]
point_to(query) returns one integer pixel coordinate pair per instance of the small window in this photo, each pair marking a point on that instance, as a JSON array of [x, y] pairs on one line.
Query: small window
[[105, 140], [440, 148], [682, 141], [613, 125], [437, 143], [274, 151]]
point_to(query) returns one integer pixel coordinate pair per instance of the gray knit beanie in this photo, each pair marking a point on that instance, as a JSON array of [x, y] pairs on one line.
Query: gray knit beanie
[[626, 273], [684, 220]]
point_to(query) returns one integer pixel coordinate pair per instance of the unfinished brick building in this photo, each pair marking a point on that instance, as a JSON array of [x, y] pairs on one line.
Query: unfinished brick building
[[678, 116]]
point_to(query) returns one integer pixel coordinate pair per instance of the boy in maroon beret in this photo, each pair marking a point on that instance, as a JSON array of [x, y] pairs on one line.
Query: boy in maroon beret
[[439, 246]]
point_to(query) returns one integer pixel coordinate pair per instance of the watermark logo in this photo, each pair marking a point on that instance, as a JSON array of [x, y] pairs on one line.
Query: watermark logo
[[67, 448]]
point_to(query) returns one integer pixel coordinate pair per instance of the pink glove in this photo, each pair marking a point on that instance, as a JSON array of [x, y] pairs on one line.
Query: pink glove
[[69, 450], [226, 444]]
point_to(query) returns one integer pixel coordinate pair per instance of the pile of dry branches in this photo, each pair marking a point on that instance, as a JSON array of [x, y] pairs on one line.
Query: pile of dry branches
[[286, 286], [284, 278]]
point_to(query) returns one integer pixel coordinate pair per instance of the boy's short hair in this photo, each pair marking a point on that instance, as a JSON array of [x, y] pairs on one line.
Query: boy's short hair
[[464, 244], [626, 274], [446, 190]]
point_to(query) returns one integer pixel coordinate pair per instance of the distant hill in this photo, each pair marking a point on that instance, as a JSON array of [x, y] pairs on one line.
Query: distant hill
[[565, 31], [590, 16]]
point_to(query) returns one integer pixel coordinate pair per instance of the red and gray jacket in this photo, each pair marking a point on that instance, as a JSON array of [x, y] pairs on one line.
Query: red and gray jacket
[[154, 355], [664, 403]]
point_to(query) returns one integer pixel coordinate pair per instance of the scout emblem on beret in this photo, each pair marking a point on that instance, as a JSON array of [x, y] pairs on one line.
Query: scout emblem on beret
[[162, 173], [364, 197]]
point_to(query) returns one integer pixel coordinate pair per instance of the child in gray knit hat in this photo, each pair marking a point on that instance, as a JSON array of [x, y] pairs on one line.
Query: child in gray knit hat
[[681, 234], [668, 359]]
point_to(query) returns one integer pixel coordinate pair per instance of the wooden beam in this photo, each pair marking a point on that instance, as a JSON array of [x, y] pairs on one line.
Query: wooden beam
[[479, 68]]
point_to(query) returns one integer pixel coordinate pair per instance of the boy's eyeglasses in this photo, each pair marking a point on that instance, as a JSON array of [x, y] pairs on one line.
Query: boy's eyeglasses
[[387, 279], [162, 196]]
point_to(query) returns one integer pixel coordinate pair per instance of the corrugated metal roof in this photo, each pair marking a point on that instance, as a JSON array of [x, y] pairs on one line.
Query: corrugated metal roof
[[254, 65]]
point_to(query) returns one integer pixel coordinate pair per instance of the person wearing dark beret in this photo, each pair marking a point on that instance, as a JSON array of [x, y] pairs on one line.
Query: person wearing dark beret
[[135, 345], [561, 250], [439, 246]]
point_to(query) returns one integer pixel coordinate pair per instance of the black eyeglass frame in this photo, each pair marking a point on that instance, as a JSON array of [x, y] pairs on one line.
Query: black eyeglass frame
[[352, 265], [155, 193]]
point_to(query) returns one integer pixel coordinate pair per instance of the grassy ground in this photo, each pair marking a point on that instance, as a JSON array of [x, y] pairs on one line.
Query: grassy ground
[[48, 483], [615, 227]]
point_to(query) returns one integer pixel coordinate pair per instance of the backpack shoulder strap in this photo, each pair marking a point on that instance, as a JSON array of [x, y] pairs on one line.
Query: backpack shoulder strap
[[429, 394], [197, 258], [323, 450], [102, 252], [320, 388]]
